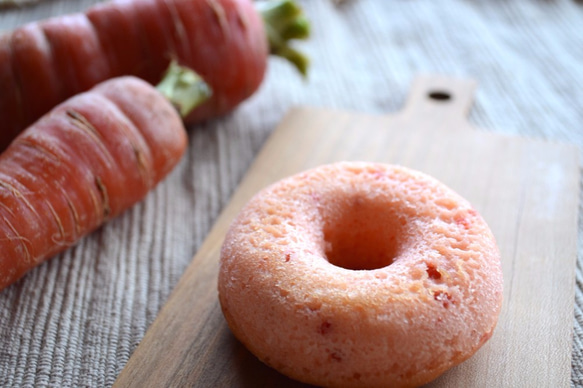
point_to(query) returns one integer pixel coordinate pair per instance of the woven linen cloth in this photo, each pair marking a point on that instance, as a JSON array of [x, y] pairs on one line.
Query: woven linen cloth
[[75, 320]]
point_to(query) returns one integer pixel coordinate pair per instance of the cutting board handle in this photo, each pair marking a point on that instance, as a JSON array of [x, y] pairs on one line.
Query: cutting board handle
[[445, 97]]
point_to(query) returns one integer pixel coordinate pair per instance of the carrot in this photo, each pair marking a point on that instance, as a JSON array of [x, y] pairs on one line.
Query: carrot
[[85, 162], [225, 41]]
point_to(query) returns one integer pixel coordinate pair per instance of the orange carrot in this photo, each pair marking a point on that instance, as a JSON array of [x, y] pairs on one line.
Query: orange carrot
[[225, 41], [85, 162]]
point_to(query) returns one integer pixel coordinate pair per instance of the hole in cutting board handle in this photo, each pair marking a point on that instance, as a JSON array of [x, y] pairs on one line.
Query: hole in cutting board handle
[[446, 97], [439, 95]]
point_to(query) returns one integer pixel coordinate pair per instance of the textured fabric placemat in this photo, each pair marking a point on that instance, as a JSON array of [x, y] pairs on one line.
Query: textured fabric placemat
[[75, 321]]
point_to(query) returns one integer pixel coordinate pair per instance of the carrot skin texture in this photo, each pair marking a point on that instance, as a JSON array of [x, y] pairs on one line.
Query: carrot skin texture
[[39, 86], [85, 162], [222, 40], [78, 58], [11, 113]]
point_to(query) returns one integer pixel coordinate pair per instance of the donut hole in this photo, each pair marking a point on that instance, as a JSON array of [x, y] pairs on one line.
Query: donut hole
[[363, 235]]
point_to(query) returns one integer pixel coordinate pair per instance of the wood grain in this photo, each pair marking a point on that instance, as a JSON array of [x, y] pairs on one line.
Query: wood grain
[[526, 189]]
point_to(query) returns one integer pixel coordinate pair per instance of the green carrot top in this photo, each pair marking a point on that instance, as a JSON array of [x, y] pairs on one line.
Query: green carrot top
[[184, 88], [284, 20]]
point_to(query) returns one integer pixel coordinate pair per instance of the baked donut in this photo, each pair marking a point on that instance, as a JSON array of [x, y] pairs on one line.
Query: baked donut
[[360, 274]]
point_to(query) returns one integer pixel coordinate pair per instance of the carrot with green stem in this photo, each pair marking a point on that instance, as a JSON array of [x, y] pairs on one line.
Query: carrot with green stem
[[89, 159], [225, 41]]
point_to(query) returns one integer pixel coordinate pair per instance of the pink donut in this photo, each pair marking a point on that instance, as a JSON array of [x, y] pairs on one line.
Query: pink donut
[[360, 274]]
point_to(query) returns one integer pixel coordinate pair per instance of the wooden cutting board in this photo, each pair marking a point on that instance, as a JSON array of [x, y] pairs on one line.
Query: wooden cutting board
[[526, 189]]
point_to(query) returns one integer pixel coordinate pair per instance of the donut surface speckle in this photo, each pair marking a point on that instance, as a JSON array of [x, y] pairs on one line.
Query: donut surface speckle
[[360, 274]]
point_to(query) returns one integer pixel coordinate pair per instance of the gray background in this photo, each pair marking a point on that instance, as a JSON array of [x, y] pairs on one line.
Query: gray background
[[76, 320]]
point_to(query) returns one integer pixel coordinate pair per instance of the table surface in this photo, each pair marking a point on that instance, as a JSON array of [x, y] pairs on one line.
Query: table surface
[[75, 320]]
